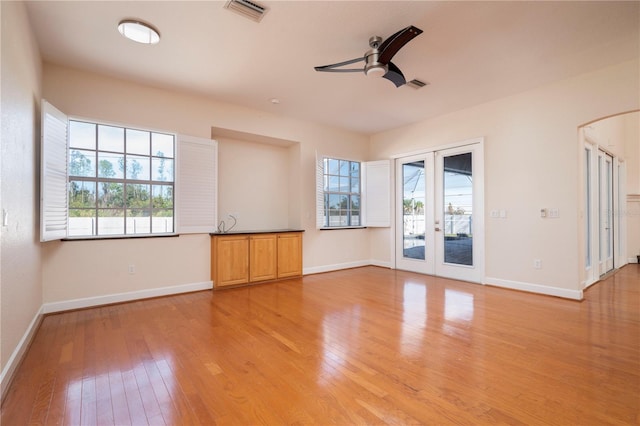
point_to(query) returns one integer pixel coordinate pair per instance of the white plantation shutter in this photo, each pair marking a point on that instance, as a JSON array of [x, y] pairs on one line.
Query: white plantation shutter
[[53, 174], [377, 193], [196, 185], [319, 191]]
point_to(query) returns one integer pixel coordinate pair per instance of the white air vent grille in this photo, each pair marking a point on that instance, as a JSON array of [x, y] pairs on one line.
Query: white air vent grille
[[416, 84], [248, 9]]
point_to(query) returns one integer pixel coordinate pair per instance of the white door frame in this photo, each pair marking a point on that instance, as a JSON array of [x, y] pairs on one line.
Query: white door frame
[[434, 260]]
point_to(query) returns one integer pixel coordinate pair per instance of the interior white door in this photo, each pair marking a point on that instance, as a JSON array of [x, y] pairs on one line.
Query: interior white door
[[439, 206]]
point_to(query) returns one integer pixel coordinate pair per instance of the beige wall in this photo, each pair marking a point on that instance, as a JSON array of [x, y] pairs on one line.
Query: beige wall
[[89, 269], [20, 257], [531, 162], [256, 184], [631, 124], [90, 95]]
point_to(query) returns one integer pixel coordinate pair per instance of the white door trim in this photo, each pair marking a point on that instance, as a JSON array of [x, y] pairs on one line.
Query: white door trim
[[475, 273]]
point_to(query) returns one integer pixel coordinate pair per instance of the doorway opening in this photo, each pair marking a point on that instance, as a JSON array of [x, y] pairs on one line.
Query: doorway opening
[[610, 160]]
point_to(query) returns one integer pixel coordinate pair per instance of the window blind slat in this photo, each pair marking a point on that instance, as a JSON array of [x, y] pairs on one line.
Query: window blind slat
[[196, 185], [53, 174]]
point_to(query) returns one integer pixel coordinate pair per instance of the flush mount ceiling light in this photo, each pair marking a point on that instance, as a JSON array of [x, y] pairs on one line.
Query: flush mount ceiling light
[[138, 31]]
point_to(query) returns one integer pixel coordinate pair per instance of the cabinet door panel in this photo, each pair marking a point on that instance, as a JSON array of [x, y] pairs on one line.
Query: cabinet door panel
[[289, 255], [232, 260], [263, 257]]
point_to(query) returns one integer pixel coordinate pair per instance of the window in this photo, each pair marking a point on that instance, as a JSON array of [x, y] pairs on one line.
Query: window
[[100, 180], [341, 188], [121, 180]]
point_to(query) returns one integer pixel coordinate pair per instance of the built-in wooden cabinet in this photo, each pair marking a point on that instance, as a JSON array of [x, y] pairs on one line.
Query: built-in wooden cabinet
[[254, 257]]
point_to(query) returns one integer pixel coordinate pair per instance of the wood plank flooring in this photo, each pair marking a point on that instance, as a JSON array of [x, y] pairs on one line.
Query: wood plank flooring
[[360, 346]]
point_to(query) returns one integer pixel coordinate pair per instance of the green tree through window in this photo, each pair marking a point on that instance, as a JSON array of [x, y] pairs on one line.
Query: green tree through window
[[117, 190], [342, 181]]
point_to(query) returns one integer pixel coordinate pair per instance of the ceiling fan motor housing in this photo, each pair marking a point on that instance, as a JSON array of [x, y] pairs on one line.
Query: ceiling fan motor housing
[[373, 67]]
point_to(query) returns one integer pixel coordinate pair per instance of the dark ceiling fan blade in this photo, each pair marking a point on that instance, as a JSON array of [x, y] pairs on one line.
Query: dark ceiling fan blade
[[393, 44], [335, 67], [394, 75]]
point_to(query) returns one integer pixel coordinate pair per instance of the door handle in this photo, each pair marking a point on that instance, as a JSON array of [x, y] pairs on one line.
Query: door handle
[[437, 229]]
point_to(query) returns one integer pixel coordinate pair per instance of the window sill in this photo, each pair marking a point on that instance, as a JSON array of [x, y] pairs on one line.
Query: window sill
[[119, 237], [335, 228]]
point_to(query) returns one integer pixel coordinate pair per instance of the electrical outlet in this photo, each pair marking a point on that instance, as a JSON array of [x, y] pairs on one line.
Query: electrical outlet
[[132, 269], [537, 264]]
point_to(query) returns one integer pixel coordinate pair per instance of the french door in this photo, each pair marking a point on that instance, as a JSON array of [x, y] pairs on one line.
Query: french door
[[439, 206], [604, 241], [605, 208]]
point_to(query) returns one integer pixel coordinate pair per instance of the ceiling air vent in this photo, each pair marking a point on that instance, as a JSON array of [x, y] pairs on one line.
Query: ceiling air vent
[[416, 84], [248, 9]]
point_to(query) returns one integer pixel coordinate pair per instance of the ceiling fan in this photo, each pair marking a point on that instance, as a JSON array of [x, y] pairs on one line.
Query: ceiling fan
[[378, 59]]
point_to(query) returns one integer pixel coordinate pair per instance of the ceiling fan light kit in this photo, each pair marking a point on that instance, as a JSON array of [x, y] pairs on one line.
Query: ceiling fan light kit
[[378, 59]]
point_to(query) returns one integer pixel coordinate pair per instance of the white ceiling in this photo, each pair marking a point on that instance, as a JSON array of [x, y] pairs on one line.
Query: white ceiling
[[470, 52]]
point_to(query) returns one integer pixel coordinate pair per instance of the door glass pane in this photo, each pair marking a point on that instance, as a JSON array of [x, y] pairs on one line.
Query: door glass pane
[[458, 209], [413, 179]]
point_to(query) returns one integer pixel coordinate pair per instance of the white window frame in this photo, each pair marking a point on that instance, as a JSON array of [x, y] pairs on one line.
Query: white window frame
[[375, 193], [128, 222], [195, 181]]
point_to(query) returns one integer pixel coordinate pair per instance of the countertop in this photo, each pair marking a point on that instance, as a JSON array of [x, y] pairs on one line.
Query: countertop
[[261, 231]]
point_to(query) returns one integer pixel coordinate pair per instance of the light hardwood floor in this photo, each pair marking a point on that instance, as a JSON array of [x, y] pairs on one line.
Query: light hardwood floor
[[360, 346]]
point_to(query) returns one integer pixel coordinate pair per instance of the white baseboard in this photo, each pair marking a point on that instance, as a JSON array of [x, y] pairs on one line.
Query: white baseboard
[[380, 263], [15, 358], [335, 267], [107, 299], [632, 260], [498, 282], [535, 288]]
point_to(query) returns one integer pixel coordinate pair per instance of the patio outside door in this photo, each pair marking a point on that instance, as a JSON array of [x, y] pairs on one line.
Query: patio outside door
[[440, 211]]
